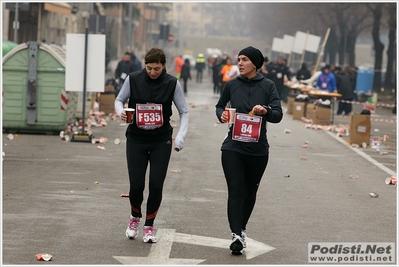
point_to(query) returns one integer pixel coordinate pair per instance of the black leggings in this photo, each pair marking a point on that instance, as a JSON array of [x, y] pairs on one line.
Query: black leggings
[[138, 156], [216, 88], [243, 174], [185, 84], [344, 107], [199, 75]]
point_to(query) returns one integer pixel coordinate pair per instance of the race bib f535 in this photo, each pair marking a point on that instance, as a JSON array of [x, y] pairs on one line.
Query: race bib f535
[[149, 116]]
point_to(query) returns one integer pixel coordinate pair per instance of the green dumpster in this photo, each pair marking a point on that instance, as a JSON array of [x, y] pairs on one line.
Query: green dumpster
[[7, 46], [34, 96]]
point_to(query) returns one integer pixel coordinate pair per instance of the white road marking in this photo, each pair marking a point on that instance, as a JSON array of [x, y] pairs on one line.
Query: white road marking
[[254, 248], [364, 155], [160, 251]]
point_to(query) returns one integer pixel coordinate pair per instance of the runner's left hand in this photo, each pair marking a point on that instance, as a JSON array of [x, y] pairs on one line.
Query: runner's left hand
[[258, 109]]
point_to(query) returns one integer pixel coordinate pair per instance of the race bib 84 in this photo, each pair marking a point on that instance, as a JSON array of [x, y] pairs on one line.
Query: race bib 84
[[246, 128]]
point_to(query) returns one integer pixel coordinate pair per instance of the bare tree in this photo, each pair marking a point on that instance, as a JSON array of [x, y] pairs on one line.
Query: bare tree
[[327, 19], [376, 10], [391, 52], [347, 21], [353, 23], [277, 19], [353, 33]]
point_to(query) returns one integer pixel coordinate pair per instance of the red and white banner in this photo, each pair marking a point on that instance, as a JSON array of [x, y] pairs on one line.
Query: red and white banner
[[363, 103]]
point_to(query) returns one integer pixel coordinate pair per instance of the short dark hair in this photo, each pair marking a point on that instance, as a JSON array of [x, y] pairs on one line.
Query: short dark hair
[[155, 55]]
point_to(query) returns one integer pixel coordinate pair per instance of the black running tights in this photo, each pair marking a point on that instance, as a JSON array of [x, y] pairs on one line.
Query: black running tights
[[138, 156], [243, 174]]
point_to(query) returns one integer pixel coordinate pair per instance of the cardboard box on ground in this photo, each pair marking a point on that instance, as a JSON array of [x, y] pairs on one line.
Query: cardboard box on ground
[[321, 115], [299, 110], [310, 111], [109, 88], [106, 100], [360, 129], [290, 104]]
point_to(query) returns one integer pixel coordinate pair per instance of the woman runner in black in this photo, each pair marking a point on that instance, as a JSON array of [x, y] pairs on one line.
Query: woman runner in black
[[245, 151], [151, 93]]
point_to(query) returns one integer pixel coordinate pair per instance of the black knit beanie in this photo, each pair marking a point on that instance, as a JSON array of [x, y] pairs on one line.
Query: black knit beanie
[[254, 55]]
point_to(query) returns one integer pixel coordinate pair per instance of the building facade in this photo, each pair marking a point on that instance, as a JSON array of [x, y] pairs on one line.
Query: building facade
[[127, 26]]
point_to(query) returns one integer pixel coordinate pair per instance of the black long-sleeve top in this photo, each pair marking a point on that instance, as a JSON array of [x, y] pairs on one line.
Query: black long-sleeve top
[[243, 94]]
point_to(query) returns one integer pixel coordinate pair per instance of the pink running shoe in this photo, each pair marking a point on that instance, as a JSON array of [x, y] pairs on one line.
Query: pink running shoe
[[149, 236], [132, 230]]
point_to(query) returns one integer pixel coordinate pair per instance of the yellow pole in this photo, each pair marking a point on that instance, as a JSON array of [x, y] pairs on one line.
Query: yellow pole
[[322, 49], [304, 49]]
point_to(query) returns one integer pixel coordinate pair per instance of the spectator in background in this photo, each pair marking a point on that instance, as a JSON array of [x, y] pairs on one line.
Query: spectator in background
[[123, 69], [178, 65], [234, 72], [280, 72], [326, 81], [312, 80], [224, 58], [264, 70], [210, 63], [352, 73], [186, 74], [345, 88], [303, 73], [200, 66], [216, 76], [286, 79], [225, 72], [136, 62]]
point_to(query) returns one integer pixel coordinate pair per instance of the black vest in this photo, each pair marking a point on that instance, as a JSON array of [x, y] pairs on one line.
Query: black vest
[[144, 90]]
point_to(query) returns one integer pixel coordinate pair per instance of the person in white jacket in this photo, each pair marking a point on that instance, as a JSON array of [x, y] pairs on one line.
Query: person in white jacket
[[312, 80]]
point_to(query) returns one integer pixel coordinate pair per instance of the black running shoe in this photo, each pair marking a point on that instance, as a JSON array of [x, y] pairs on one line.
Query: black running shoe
[[237, 245]]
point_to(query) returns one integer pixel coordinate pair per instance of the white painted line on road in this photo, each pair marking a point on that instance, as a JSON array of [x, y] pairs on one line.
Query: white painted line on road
[[254, 248], [155, 261], [364, 155], [160, 251], [214, 190], [327, 155]]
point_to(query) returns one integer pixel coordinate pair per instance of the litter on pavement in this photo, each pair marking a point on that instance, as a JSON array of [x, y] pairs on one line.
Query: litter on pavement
[[44, 257], [373, 195], [391, 180]]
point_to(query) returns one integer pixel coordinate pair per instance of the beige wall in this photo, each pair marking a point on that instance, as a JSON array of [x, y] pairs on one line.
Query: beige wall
[[5, 19]]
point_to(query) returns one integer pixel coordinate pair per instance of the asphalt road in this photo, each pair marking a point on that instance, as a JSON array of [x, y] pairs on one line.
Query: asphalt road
[[64, 198]]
